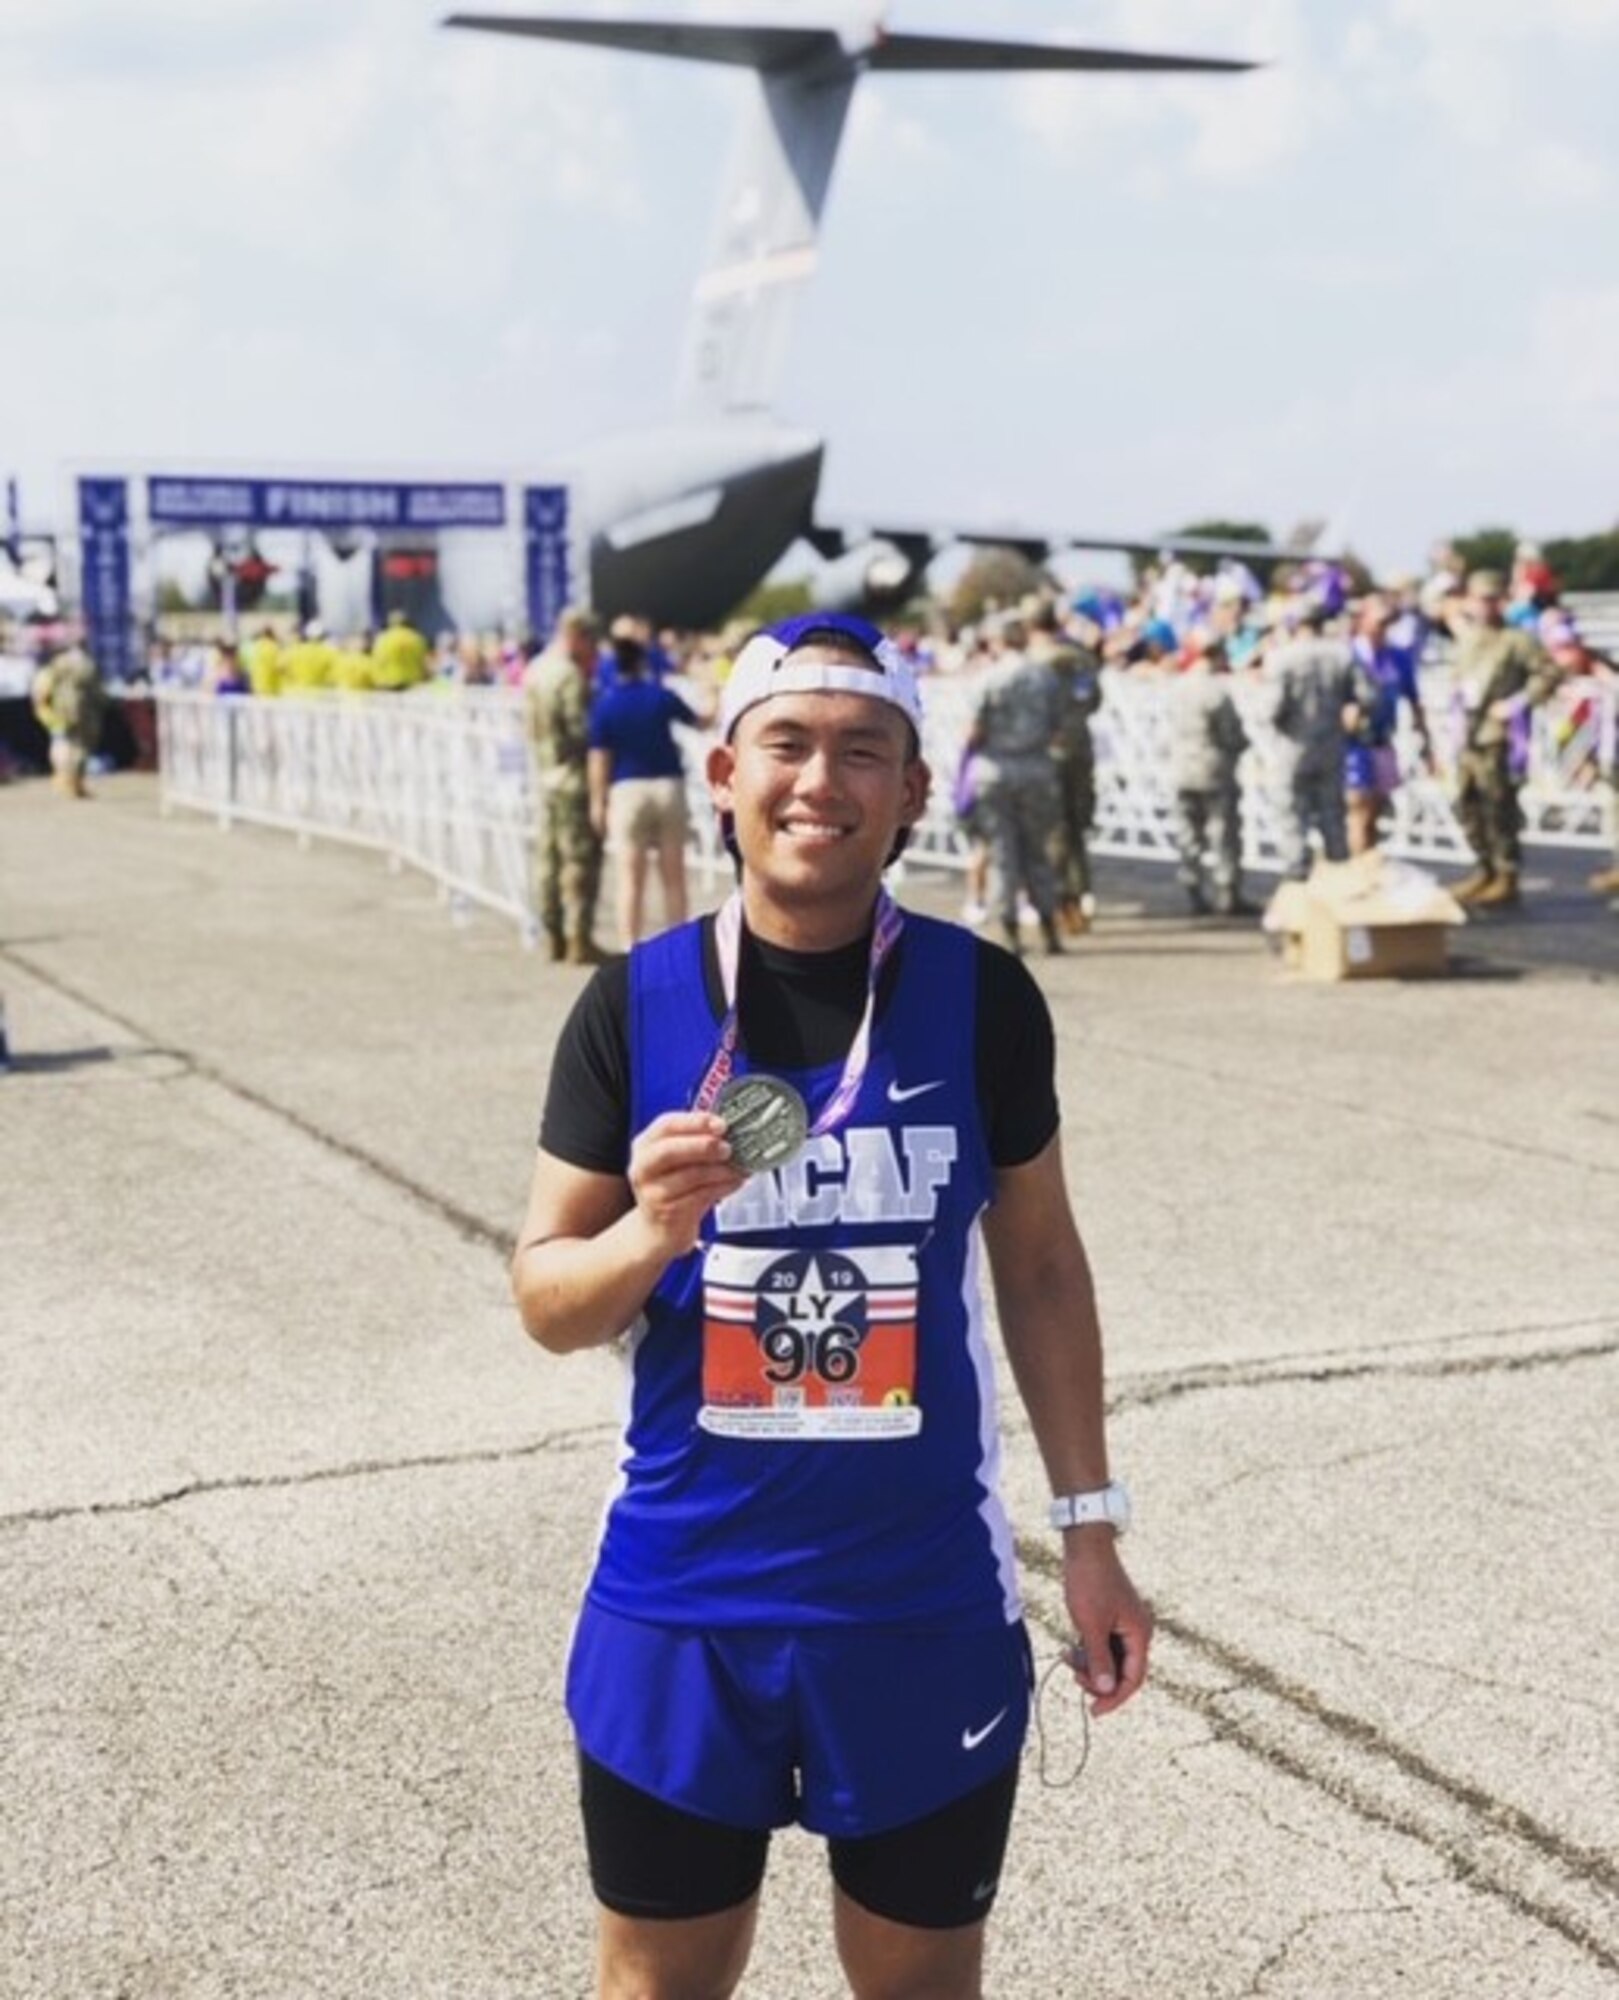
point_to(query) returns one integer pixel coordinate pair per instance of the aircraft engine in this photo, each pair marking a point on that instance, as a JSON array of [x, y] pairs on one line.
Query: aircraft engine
[[876, 576]]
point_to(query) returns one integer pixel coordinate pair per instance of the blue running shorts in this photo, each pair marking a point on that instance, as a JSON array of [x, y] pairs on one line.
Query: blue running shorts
[[847, 1730]]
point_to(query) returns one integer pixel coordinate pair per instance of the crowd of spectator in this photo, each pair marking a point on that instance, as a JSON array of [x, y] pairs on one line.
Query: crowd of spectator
[[269, 661], [1330, 662]]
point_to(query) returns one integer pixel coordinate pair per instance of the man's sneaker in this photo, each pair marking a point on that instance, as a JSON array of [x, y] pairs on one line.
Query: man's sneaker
[[1471, 887], [1605, 882]]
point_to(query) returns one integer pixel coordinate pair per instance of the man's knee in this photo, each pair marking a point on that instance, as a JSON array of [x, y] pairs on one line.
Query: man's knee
[[888, 1961], [695, 1958]]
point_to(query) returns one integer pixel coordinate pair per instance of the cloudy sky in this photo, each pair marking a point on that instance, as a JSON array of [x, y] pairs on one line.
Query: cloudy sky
[[1377, 282]]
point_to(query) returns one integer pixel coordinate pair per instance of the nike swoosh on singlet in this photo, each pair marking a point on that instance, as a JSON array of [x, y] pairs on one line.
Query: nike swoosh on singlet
[[971, 1738], [901, 1095]]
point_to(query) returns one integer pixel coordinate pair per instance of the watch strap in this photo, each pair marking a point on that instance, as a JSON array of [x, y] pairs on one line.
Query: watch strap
[[1105, 1505]]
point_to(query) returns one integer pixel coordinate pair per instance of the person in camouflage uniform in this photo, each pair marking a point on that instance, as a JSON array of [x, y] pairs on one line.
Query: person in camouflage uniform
[[70, 702], [1015, 722], [1498, 674], [1079, 674], [1206, 742], [1313, 692], [568, 851]]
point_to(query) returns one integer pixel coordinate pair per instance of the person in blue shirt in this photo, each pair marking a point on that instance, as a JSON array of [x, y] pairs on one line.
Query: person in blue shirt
[[656, 662], [638, 782], [1385, 678], [777, 1143]]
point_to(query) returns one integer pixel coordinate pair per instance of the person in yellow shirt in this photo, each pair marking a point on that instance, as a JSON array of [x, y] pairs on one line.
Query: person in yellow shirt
[[311, 664], [399, 658], [264, 664], [353, 666]]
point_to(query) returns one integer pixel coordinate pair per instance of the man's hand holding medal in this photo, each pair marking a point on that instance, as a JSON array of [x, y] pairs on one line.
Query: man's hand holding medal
[[680, 1166]]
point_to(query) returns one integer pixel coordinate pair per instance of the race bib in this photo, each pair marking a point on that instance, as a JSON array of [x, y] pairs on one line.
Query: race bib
[[809, 1343]]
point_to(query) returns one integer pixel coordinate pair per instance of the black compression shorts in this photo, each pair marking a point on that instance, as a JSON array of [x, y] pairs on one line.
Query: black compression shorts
[[651, 1860]]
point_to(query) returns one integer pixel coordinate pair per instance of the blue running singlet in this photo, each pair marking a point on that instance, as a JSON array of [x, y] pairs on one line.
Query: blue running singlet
[[811, 1437]]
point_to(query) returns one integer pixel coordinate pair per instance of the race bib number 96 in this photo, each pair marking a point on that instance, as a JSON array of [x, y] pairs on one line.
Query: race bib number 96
[[809, 1343]]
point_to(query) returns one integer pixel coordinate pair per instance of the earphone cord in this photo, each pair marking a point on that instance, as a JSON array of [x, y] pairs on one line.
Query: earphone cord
[[1043, 1760]]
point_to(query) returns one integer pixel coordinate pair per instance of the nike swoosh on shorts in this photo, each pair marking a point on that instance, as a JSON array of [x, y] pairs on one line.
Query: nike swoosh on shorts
[[971, 1738]]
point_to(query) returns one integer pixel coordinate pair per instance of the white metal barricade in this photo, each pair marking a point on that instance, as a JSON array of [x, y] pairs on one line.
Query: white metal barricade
[[441, 781], [436, 784]]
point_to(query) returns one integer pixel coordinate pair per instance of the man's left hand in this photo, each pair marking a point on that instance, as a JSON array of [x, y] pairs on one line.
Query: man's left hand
[[1104, 1607]]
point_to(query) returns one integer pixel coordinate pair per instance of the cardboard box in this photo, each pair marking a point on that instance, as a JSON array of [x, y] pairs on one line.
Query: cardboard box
[[1370, 918]]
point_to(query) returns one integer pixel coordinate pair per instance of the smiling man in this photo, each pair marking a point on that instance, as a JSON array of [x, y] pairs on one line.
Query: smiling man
[[773, 1144]]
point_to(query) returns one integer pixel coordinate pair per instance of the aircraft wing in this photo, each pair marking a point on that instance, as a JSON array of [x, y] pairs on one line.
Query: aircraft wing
[[963, 52], [1038, 545], [769, 49], [699, 41]]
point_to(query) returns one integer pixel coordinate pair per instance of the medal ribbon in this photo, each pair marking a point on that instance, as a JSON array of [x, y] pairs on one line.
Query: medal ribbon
[[887, 924]]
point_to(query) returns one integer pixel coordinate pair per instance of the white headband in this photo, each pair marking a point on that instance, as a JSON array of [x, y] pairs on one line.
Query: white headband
[[760, 673]]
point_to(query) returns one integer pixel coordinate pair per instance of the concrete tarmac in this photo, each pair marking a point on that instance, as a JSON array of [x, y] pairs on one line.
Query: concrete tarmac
[[293, 1520]]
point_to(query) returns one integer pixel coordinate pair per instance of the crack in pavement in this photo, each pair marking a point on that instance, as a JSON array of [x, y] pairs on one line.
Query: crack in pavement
[[267, 1482], [1283, 1370], [473, 1228], [1451, 1817]]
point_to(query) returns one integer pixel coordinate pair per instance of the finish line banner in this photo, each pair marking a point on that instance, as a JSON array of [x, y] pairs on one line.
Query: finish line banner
[[104, 546], [321, 503], [547, 575]]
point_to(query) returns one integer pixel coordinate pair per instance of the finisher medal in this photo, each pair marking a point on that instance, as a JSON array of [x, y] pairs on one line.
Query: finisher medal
[[765, 1120]]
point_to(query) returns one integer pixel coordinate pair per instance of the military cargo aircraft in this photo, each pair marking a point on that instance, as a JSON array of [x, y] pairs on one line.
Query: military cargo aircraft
[[681, 521]]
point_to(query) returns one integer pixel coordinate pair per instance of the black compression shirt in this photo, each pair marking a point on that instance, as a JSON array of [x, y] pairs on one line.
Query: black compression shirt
[[801, 1009]]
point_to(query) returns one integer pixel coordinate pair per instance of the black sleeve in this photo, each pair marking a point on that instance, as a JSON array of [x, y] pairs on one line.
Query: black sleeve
[[1016, 1059], [587, 1101]]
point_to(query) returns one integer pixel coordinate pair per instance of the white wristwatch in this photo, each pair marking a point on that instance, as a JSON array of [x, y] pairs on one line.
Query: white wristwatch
[[1109, 1503]]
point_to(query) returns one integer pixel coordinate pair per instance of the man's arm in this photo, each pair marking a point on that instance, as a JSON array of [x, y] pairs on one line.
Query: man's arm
[[1545, 675], [594, 1245], [1536, 673], [39, 698], [1047, 1308], [599, 770]]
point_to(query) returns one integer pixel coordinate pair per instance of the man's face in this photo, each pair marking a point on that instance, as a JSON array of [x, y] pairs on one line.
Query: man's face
[[1485, 607], [580, 641], [819, 785]]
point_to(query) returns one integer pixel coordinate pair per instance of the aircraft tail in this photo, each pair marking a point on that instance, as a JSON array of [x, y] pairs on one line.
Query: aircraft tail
[[763, 250]]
